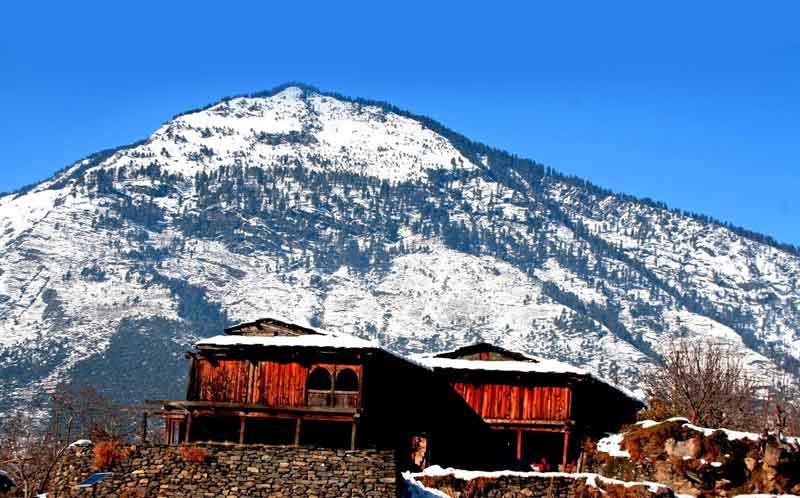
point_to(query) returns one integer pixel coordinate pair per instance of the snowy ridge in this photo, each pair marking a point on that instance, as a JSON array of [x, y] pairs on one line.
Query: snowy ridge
[[362, 219]]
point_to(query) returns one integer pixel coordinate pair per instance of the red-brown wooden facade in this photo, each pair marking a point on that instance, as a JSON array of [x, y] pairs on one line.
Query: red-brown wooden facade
[[498, 403], [471, 415]]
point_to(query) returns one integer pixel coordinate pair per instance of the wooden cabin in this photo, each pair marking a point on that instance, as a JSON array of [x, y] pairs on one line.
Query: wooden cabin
[[539, 409], [480, 406], [273, 382]]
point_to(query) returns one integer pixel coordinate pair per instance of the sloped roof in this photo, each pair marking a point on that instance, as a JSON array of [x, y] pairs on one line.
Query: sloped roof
[[458, 360], [273, 332], [271, 327], [505, 360], [251, 334]]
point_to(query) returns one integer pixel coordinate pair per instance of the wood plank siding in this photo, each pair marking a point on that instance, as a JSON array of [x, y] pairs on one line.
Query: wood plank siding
[[517, 403], [263, 382], [256, 383]]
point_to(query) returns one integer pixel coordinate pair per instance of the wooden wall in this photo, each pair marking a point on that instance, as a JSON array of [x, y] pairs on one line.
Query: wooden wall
[[268, 383], [511, 402]]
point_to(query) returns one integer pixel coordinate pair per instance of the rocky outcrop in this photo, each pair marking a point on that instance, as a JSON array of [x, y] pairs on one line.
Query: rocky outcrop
[[704, 462], [224, 470]]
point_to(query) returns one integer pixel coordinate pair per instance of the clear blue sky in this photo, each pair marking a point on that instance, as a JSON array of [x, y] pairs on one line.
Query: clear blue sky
[[693, 103]]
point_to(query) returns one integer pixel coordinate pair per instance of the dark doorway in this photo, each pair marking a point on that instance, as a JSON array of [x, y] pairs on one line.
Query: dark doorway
[[326, 434], [269, 431], [218, 429]]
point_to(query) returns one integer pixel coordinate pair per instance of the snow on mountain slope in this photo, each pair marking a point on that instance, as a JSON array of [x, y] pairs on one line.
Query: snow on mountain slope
[[358, 217], [321, 131]]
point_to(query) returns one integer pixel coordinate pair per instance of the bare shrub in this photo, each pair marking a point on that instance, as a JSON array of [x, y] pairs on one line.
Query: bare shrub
[[31, 443], [705, 382], [782, 412], [193, 454], [109, 453]]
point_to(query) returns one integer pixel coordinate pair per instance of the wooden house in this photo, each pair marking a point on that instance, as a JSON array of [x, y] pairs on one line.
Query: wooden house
[[538, 408], [479, 406], [273, 382]]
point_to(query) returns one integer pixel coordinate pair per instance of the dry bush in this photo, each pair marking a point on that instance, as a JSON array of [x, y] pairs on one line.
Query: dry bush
[[657, 410], [193, 454], [707, 383], [109, 453]]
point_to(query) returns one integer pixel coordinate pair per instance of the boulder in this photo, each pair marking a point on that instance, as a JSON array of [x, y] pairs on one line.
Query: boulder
[[680, 449], [772, 455]]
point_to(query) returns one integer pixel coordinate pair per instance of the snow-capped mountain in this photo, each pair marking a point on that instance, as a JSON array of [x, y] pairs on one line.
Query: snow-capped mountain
[[355, 216]]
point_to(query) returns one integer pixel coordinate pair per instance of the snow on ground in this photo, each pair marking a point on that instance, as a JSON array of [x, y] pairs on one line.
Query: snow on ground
[[595, 480]]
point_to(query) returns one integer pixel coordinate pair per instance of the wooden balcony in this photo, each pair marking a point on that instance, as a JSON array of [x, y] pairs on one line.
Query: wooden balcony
[[333, 399]]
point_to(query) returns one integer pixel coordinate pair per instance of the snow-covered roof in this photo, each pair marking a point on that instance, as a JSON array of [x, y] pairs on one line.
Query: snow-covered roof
[[539, 366], [529, 364], [342, 341], [318, 338]]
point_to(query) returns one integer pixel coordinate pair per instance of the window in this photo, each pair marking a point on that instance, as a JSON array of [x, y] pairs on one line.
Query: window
[[319, 380], [346, 380]]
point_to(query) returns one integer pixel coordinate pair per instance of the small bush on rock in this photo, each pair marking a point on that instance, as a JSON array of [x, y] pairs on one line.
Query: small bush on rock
[[193, 454], [108, 453]]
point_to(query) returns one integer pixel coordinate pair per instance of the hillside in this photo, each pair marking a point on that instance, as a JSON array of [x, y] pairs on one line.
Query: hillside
[[356, 216]]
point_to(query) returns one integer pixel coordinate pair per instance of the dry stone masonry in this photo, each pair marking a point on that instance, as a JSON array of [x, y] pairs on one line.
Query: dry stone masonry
[[234, 471], [552, 485]]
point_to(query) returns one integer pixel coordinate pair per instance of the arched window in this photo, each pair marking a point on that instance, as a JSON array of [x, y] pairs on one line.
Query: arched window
[[346, 380], [319, 379]]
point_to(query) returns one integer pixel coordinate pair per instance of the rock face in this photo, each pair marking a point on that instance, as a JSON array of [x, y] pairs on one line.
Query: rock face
[[705, 462], [233, 471], [356, 216]]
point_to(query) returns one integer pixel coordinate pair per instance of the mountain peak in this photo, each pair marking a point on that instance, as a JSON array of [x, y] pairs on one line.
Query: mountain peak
[[293, 125], [360, 217]]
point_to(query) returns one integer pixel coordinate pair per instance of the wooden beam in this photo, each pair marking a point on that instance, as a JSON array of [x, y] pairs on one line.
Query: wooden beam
[[283, 416], [188, 428], [181, 404], [540, 422], [144, 427], [353, 436], [297, 423], [566, 451], [519, 445], [242, 422], [559, 430]]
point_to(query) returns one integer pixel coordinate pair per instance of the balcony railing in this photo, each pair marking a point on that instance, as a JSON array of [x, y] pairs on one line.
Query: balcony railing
[[334, 399]]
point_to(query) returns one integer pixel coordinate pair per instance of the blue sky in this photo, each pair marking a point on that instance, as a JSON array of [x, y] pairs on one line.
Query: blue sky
[[693, 103]]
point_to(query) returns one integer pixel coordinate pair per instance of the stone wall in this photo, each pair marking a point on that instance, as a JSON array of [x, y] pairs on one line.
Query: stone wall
[[228, 470], [549, 485]]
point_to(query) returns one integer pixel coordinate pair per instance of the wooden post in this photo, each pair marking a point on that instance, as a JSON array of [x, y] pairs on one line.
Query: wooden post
[[353, 436], [297, 423], [188, 427], [242, 422], [566, 451], [519, 445], [144, 427]]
